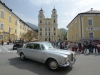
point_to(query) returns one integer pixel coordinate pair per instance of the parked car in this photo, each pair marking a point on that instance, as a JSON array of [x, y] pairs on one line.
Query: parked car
[[18, 44], [44, 52]]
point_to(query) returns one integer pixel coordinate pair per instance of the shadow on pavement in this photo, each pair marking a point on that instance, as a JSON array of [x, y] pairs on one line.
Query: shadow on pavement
[[36, 67]]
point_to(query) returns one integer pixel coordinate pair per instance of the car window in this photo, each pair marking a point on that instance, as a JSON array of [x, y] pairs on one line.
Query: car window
[[30, 46], [43, 47], [48, 46], [37, 47]]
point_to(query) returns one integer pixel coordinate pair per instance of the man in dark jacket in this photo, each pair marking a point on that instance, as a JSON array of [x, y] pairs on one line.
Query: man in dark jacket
[[90, 47], [2, 42]]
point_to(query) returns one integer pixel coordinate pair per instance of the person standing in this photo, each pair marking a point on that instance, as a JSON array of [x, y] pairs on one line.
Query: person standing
[[95, 46], [98, 47], [2, 42], [75, 46], [84, 46], [90, 47], [79, 47]]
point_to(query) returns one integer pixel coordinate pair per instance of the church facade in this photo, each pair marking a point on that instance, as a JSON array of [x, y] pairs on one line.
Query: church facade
[[47, 27]]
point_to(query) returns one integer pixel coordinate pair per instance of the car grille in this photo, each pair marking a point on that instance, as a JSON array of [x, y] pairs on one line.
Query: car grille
[[71, 57]]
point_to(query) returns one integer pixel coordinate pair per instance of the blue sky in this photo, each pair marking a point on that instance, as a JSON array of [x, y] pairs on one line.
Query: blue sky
[[28, 10]]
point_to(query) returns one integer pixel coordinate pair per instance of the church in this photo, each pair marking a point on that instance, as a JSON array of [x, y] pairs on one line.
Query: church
[[47, 27]]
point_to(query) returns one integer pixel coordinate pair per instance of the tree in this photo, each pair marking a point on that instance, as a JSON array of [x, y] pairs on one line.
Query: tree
[[29, 35], [65, 36]]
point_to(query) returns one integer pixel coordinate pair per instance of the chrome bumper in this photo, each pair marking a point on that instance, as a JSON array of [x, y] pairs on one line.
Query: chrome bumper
[[68, 63]]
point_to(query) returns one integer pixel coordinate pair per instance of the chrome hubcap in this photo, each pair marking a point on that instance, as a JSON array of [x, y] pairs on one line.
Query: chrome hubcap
[[53, 65]]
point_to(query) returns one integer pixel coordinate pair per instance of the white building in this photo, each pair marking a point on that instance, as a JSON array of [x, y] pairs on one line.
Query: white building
[[47, 27]]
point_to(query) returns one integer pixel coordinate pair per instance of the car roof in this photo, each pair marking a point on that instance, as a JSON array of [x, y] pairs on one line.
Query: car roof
[[38, 42]]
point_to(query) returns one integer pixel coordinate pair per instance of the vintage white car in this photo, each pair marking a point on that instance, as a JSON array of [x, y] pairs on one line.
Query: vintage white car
[[44, 52]]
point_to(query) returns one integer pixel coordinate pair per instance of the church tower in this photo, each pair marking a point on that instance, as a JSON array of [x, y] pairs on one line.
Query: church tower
[[41, 16], [54, 16]]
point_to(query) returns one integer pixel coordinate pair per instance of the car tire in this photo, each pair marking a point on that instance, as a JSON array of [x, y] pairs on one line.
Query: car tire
[[22, 56], [53, 65]]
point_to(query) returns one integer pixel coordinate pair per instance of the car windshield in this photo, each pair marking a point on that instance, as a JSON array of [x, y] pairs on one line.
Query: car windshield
[[47, 46]]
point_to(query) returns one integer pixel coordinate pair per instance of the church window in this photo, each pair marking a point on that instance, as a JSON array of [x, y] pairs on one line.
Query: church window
[[54, 29], [45, 39], [54, 21], [40, 29], [46, 33], [45, 29], [40, 33], [40, 21]]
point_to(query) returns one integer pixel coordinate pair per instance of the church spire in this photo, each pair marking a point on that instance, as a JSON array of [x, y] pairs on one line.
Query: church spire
[[41, 9]]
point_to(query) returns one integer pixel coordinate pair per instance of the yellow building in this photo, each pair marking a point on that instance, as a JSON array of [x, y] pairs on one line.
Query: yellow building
[[85, 26], [11, 26]]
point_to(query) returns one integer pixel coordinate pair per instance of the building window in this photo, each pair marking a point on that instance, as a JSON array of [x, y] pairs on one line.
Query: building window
[[2, 26], [45, 39], [72, 38], [54, 21], [20, 26], [10, 18], [40, 29], [1, 37], [15, 31], [54, 33], [45, 29], [40, 33], [49, 39], [45, 33], [20, 33], [72, 27], [54, 29], [90, 35], [76, 24], [76, 36], [49, 29], [49, 34], [10, 29], [25, 28], [90, 22], [40, 21], [15, 22], [2, 14]]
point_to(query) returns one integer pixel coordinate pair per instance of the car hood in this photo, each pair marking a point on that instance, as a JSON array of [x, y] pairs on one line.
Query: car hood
[[60, 51]]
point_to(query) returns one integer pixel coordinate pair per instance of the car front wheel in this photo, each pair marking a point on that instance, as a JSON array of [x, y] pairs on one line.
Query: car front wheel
[[53, 65], [22, 56]]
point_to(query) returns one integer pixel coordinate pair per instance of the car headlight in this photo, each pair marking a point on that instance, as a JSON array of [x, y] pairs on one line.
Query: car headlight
[[66, 59]]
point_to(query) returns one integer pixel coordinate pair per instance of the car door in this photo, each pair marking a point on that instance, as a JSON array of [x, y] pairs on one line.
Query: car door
[[37, 52], [28, 49]]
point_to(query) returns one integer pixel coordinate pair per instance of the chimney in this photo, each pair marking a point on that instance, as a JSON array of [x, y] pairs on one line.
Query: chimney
[[91, 9]]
